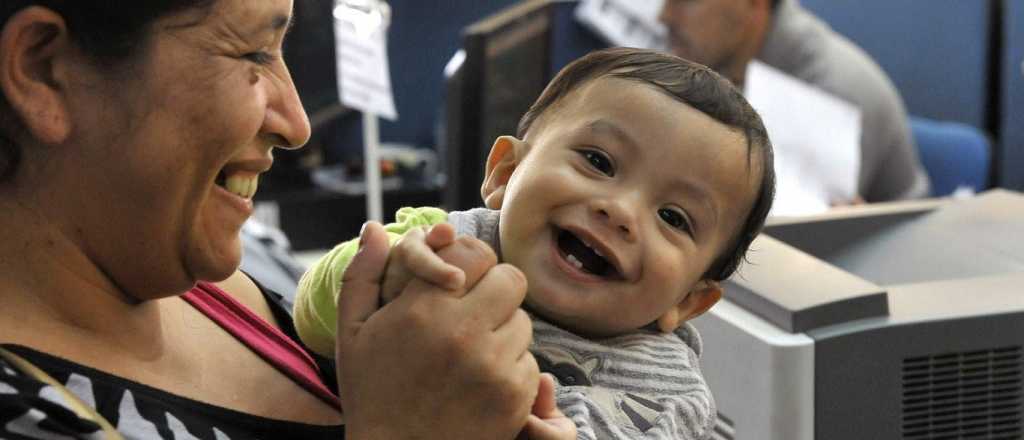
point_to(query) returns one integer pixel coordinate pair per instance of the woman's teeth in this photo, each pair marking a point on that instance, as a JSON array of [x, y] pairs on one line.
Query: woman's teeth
[[242, 186]]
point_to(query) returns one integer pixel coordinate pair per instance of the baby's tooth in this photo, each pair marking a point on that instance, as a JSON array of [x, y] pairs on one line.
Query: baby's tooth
[[591, 247], [574, 261]]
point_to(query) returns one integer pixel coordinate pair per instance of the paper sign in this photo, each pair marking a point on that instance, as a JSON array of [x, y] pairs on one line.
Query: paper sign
[[364, 80], [629, 23], [816, 137]]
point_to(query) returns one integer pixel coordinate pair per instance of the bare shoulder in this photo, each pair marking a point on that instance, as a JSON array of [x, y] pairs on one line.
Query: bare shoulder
[[243, 289]]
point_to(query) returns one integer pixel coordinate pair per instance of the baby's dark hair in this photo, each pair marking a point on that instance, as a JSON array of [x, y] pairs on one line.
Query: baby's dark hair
[[694, 85]]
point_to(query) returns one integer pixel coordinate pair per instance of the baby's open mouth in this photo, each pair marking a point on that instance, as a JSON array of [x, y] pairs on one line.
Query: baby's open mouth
[[584, 257]]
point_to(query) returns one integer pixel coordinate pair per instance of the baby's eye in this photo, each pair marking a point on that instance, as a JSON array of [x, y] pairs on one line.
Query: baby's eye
[[599, 161], [675, 219]]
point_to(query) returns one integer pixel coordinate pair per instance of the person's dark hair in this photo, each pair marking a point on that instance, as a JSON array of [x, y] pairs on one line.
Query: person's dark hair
[[775, 4], [694, 85], [111, 31]]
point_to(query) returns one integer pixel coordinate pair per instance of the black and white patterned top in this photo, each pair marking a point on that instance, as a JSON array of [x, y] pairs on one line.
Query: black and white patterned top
[[30, 409]]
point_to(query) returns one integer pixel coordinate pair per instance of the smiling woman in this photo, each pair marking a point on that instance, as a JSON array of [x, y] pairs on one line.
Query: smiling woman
[[132, 138]]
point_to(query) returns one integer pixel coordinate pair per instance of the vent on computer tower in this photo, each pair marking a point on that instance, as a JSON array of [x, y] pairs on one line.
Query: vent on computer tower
[[970, 395], [725, 429]]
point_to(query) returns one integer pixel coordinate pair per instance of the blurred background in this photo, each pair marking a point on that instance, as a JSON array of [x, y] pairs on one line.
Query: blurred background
[[956, 63]]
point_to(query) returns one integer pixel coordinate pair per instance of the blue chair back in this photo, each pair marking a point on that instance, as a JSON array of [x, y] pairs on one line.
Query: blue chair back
[[954, 154]]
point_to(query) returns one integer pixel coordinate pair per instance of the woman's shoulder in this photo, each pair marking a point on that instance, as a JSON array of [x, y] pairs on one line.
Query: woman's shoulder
[[244, 290]]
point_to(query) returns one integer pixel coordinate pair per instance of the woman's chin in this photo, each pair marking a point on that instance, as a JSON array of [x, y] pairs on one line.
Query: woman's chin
[[217, 264], [218, 275]]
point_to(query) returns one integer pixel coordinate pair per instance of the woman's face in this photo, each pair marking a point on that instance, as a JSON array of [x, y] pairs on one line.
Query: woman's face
[[175, 144]]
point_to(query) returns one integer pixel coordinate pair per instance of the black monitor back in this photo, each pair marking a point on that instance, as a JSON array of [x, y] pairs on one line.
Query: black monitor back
[[506, 66]]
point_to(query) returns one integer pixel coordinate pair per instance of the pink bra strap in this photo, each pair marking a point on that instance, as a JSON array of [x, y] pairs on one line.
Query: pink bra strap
[[264, 339]]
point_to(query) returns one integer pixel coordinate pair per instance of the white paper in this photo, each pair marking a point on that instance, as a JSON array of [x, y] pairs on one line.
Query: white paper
[[629, 23], [816, 137], [364, 80]]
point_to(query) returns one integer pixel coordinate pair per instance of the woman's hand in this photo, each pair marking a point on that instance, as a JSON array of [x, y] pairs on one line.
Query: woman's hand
[[435, 363]]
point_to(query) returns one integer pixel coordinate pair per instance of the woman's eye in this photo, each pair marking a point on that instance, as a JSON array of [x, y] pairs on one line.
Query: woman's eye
[[261, 58], [599, 161], [674, 219]]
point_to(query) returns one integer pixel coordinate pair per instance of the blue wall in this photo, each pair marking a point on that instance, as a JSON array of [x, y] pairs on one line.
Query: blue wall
[[423, 36], [935, 51]]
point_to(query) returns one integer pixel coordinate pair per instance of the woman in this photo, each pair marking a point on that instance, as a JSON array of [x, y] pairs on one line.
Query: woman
[[132, 135]]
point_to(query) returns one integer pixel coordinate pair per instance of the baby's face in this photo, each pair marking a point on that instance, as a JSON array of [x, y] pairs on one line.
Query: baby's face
[[622, 201]]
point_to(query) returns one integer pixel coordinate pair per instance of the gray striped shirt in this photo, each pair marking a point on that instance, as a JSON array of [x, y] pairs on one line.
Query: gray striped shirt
[[641, 385]]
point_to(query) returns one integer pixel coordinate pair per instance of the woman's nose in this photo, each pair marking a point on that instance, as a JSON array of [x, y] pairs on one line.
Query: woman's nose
[[285, 117]]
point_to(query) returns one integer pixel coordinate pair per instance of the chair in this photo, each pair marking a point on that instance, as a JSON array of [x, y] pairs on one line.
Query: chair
[[955, 155]]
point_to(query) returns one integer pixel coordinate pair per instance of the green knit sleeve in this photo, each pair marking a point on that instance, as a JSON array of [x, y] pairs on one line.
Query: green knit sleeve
[[317, 296]]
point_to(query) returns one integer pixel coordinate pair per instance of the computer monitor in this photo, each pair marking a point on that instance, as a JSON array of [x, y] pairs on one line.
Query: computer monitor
[[309, 53], [506, 66]]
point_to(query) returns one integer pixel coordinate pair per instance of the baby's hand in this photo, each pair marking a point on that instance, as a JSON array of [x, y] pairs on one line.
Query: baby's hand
[[547, 422], [415, 256]]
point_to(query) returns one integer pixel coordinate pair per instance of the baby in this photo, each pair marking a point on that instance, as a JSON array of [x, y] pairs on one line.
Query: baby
[[635, 185]]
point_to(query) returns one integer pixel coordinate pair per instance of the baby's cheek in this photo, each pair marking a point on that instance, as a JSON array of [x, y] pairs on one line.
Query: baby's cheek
[[673, 283]]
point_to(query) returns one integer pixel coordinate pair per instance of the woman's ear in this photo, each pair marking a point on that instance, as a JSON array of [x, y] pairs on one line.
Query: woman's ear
[[505, 155], [34, 49], [704, 295]]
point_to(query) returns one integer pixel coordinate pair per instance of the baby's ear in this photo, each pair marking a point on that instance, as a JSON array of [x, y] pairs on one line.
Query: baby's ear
[[703, 295], [501, 162]]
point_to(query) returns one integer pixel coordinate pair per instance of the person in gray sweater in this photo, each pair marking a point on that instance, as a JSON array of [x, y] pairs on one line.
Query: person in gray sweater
[[727, 34]]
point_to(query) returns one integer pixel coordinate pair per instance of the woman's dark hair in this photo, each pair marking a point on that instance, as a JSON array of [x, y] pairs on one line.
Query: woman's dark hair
[[111, 31], [694, 85]]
